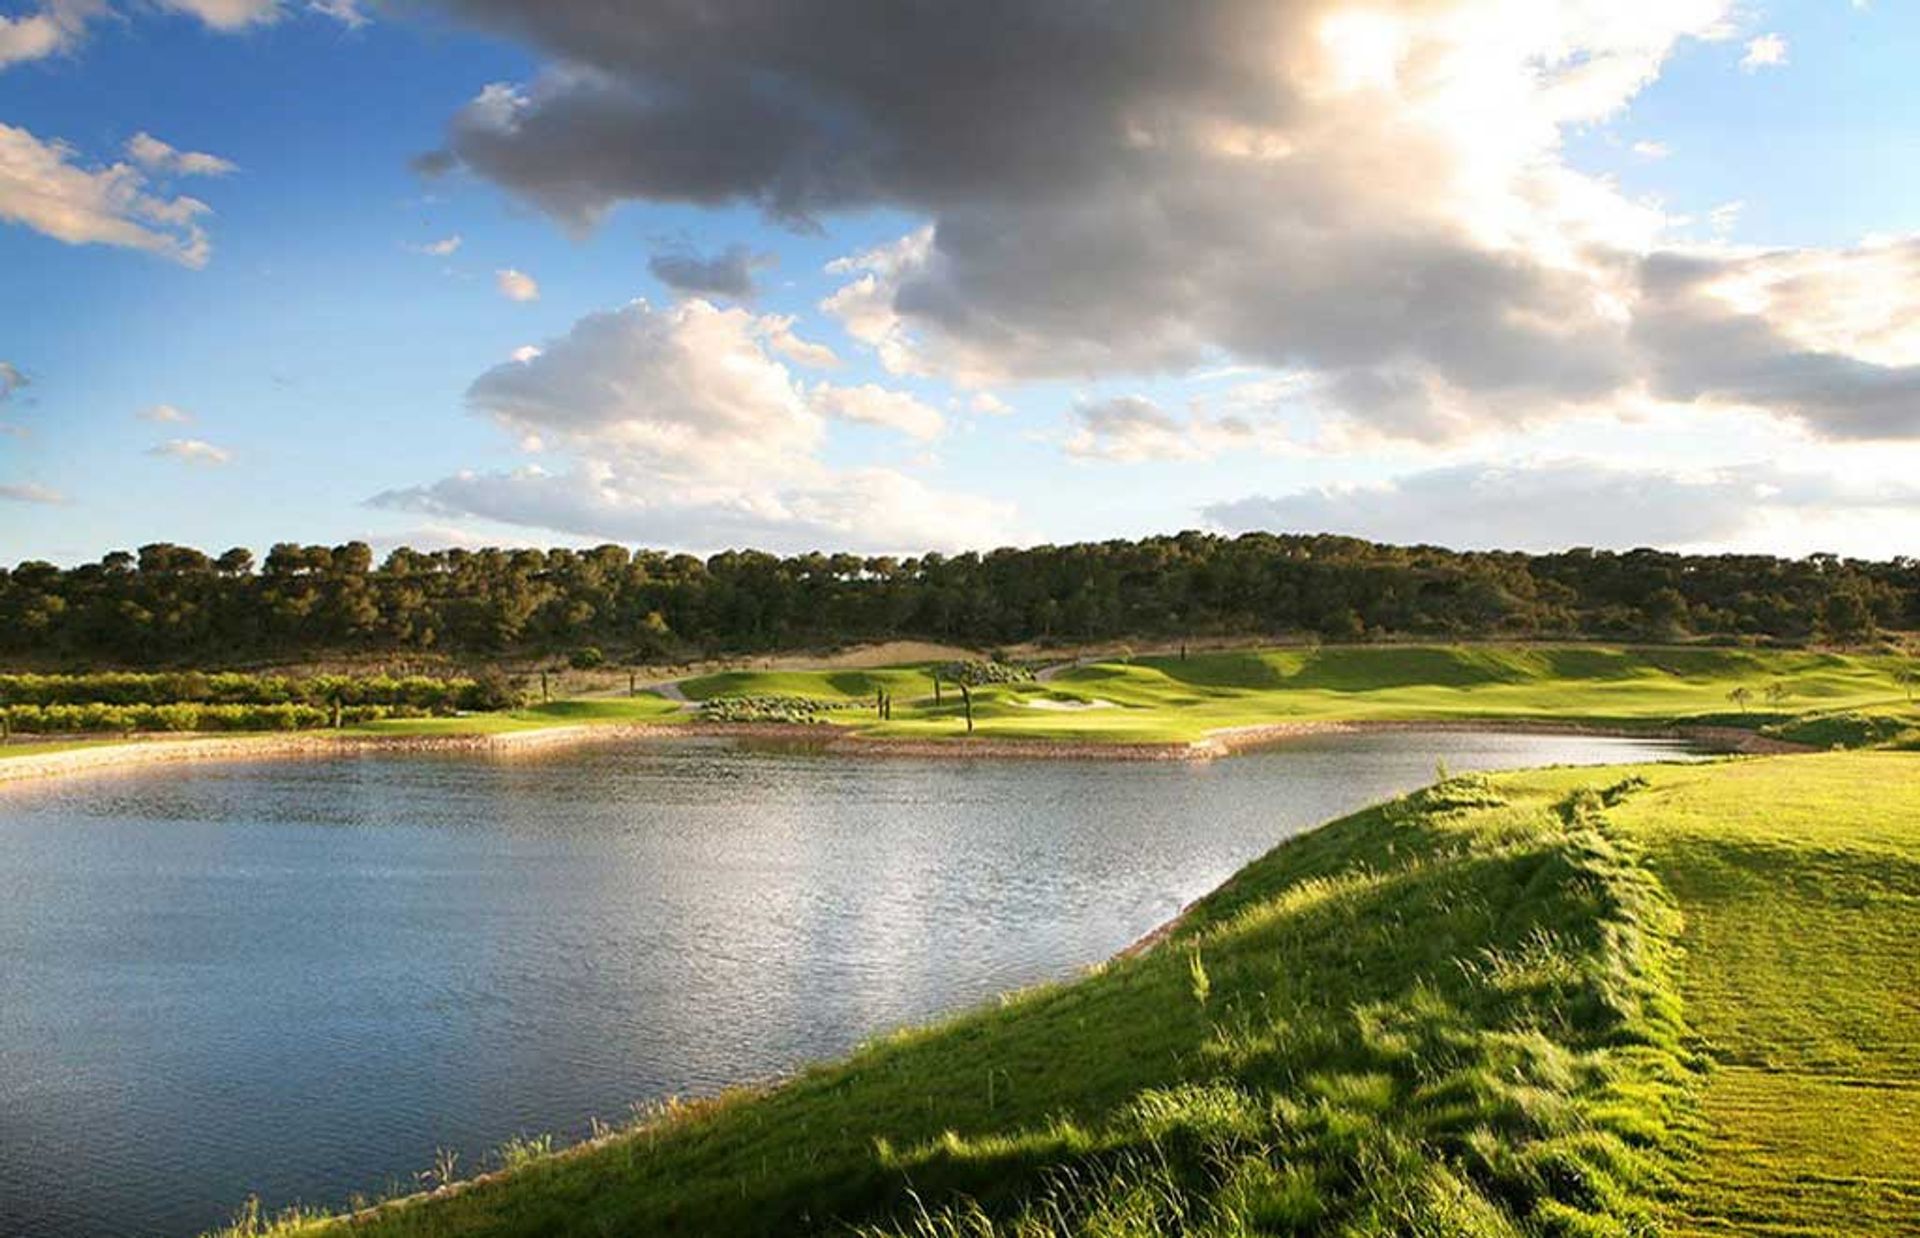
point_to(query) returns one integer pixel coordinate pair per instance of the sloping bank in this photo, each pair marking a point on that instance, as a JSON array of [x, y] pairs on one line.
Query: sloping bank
[[1456, 1013]]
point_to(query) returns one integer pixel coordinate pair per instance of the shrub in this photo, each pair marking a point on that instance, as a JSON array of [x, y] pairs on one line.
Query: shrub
[[1842, 730], [586, 659], [977, 671]]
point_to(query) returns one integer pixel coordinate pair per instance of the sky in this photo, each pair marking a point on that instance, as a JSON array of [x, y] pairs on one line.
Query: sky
[[855, 275]]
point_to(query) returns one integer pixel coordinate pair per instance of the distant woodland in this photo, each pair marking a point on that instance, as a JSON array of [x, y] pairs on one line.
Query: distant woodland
[[168, 605]]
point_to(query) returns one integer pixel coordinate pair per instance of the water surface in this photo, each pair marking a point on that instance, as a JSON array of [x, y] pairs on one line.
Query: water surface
[[298, 979]]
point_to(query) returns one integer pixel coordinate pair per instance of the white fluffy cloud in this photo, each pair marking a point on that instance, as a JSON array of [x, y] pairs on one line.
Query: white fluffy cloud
[[445, 247], [165, 414], [682, 428], [1553, 504], [44, 187], [516, 285], [192, 451]]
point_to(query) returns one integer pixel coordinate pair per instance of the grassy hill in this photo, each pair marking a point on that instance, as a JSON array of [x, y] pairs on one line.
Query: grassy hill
[[1163, 699], [1562, 1002]]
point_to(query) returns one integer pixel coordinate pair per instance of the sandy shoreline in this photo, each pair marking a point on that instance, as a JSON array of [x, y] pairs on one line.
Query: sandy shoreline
[[140, 753]]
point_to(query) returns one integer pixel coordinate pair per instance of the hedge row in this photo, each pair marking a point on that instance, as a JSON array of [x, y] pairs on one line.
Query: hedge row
[[193, 687], [184, 716]]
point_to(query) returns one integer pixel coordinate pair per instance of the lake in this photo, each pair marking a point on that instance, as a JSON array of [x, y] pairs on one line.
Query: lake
[[300, 978]]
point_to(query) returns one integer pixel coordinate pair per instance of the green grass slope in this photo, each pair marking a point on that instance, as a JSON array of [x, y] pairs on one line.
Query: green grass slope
[[1169, 699], [1455, 1014]]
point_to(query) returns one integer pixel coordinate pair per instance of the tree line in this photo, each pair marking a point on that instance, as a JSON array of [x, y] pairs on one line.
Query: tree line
[[168, 605]]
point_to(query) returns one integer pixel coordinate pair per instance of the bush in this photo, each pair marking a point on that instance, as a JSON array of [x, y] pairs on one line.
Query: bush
[[977, 671], [1843, 730], [418, 692], [586, 659], [174, 717], [492, 690]]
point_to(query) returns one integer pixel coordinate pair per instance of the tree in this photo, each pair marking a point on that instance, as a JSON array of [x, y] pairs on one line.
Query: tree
[[1741, 696], [172, 605], [1847, 618], [1667, 614]]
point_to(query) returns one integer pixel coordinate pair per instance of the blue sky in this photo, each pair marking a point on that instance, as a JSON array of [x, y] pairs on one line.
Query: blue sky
[[334, 380]]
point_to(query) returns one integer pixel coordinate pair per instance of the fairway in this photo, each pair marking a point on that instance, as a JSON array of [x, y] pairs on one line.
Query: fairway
[[1173, 699], [1800, 881]]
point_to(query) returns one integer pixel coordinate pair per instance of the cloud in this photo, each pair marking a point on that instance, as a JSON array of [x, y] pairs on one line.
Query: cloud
[[59, 27], [726, 274], [445, 247], [1767, 51], [878, 406], [1375, 195], [1133, 186], [165, 414], [192, 451], [863, 511], [1133, 429], [516, 285], [29, 492], [779, 334], [227, 14], [347, 12], [1652, 150], [680, 427], [1827, 337], [11, 380], [161, 159], [43, 187], [988, 404], [1555, 504]]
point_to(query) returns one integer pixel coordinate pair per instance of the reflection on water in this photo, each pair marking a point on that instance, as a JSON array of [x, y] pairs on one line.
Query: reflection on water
[[299, 979]]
